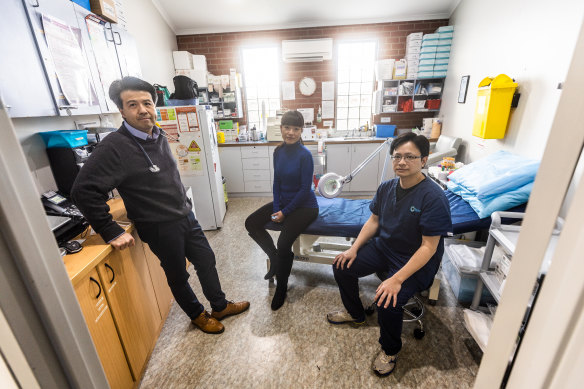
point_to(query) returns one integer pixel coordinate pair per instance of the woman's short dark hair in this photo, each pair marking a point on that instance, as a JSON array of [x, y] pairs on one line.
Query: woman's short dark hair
[[292, 118], [129, 83], [420, 141]]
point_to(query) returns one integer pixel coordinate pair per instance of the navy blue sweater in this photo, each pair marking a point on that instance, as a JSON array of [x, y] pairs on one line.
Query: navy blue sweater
[[293, 169], [118, 162]]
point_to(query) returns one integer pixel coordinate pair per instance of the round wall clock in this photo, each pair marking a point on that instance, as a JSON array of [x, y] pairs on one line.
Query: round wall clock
[[307, 86]]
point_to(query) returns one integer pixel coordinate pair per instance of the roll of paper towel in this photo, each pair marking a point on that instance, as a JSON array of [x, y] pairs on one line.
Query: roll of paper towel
[[427, 126]]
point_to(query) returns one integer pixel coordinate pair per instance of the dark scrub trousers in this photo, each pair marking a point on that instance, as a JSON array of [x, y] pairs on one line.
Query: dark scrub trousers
[[171, 242], [424, 211]]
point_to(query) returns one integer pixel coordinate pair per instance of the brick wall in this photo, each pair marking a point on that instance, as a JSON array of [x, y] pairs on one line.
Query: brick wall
[[223, 52]]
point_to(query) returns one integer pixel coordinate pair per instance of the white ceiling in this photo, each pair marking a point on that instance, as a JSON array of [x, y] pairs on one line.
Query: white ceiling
[[213, 16]]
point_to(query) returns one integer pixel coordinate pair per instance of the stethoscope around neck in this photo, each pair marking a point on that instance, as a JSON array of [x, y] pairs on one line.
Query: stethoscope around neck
[[153, 167]]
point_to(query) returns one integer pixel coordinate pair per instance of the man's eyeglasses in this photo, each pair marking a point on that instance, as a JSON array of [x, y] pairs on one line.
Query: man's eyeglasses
[[408, 158]]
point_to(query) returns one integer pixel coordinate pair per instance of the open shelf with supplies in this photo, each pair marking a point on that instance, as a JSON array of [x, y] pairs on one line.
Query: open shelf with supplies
[[227, 106], [408, 95], [500, 248]]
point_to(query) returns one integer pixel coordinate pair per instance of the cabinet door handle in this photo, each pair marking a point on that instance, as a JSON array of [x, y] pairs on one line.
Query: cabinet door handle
[[105, 29], [36, 4], [98, 285], [113, 273], [119, 36]]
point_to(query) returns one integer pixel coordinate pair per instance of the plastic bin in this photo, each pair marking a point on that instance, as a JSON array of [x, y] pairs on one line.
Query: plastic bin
[[493, 107], [433, 103], [462, 273], [384, 130], [224, 181], [64, 138]]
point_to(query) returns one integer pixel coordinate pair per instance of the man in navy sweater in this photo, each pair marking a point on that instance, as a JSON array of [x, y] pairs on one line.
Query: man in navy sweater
[[137, 161]]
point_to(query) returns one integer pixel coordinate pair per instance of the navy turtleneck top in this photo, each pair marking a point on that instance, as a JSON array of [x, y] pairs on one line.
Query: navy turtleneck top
[[293, 170]]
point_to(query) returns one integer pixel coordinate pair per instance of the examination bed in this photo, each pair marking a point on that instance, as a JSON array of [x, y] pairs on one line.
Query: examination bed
[[340, 217]]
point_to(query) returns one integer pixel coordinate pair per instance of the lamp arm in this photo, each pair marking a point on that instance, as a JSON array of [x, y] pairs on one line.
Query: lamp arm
[[350, 176]]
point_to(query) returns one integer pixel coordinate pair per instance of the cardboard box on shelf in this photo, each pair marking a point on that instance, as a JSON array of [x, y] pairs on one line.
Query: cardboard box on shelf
[[414, 43], [183, 60], [445, 29], [199, 62], [399, 71], [104, 8], [415, 36], [384, 69]]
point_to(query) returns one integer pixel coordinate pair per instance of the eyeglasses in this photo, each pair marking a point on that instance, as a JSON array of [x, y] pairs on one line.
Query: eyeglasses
[[407, 158]]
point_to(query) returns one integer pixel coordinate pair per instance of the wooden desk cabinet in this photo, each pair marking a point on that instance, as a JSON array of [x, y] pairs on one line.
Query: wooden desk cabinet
[[125, 299], [91, 296]]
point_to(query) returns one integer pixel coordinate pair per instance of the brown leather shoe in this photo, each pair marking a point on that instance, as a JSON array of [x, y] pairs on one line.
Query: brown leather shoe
[[231, 309], [208, 324]]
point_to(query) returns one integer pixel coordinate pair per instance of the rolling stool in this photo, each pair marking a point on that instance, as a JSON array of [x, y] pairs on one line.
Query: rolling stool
[[414, 309]]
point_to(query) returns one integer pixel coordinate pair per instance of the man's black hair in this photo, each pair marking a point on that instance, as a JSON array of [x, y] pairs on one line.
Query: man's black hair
[[129, 83], [420, 141]]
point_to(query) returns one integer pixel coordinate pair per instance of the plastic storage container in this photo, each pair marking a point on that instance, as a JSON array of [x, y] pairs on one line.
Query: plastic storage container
[[64, 138], [493, 107], [384, 130], [461, 266]]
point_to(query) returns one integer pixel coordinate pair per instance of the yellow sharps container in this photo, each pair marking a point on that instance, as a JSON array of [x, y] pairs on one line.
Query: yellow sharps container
[[493, 107]]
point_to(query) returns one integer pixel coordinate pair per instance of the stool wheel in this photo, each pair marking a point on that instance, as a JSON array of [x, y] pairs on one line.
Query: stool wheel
[[419, 333]]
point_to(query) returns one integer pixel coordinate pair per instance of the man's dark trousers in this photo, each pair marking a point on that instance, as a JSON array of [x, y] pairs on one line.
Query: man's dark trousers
[[171, 242]]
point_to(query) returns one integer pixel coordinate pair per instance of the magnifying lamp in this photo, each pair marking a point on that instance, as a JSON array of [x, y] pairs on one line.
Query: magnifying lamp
[[331, 184]]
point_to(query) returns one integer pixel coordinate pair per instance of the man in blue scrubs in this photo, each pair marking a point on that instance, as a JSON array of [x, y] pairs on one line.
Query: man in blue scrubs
[[404, 238]]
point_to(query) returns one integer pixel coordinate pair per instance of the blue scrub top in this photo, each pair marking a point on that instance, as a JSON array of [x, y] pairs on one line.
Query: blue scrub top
[[423, 211]]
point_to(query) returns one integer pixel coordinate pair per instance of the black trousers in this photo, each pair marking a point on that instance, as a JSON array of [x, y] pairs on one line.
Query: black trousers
[[171, 242], [293, 225]]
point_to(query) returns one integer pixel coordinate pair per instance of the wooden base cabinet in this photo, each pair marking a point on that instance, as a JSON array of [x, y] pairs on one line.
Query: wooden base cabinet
[[98, 316], [125, 295]]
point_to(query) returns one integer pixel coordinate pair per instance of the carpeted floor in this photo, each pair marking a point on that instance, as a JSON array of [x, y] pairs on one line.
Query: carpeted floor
[[295, 347]]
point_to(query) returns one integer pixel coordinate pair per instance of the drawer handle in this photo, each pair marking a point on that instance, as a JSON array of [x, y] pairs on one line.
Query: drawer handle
[[113, 273], [98, 285]]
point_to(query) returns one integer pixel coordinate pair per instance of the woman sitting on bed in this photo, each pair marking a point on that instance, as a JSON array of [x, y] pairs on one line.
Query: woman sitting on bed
[[403, 238], [294, 203]]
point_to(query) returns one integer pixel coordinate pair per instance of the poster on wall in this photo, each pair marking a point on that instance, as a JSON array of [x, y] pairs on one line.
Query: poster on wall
[[187, 119], [106, 64], [64, 43], [188, 155]]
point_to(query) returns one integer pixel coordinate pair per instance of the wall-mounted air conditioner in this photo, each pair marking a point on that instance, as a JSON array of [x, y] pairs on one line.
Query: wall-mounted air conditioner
[[307, 50]]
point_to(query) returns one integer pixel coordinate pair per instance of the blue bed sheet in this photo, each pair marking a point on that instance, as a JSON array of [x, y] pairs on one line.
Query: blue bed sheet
[[346, 217]]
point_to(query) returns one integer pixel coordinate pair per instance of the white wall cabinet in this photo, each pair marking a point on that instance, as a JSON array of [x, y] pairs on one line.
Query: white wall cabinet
[[24, 88], [29, 85]]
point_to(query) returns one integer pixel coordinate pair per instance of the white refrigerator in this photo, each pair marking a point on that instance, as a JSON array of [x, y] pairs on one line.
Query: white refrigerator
[[192, 138]]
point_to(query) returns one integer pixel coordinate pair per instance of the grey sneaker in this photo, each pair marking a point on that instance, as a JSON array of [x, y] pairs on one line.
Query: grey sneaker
[[384, 364], [342, 317]]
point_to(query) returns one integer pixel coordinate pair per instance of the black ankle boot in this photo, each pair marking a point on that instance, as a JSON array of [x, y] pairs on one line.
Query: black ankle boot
[[280, 295]]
